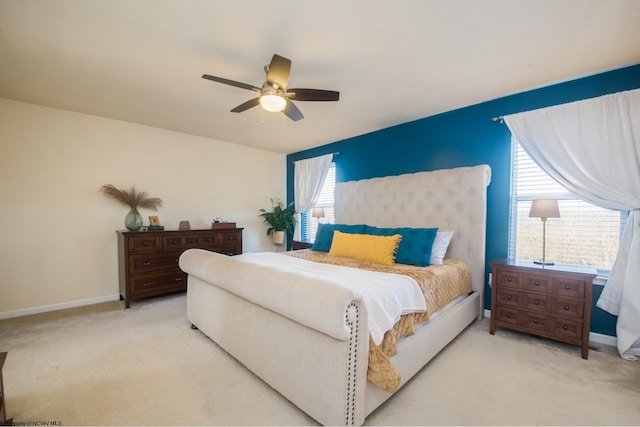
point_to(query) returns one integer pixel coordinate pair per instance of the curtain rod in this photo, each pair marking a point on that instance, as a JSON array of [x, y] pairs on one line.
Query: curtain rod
[[498, 119]]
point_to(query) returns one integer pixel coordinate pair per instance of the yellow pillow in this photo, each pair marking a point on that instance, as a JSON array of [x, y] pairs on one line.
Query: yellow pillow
[[365, 247]]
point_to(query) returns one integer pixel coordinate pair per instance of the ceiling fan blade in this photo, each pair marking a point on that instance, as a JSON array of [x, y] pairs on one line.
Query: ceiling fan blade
[[246, 105], [278, 72], [313, 95], [292, 111], [231, 82]]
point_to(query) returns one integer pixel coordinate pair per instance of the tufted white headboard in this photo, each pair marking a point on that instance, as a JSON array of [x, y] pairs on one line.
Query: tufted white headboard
[[450, 199]]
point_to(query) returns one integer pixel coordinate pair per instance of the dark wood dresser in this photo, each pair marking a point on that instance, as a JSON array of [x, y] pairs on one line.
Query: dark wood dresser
[[148, 260], [552, 301]]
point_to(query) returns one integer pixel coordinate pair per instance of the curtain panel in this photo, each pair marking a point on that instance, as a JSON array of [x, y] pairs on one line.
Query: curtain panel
[[592, 148], [309, 176]]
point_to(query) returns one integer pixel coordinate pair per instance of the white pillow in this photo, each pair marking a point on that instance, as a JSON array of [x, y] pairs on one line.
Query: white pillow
[[439, 247]]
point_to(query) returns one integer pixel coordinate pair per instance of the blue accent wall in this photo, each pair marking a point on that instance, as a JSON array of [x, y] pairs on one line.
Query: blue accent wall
[[467, 137]]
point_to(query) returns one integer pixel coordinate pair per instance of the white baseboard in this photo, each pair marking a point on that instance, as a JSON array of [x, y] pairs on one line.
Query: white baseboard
[[603, 339], [54, 307], [593, 336]]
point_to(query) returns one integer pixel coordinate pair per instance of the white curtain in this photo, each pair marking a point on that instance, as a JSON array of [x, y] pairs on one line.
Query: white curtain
[[592, 147], [309, 176]]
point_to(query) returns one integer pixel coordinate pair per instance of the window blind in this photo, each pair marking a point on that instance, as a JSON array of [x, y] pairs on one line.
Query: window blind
[[583, 235], [309, 225]]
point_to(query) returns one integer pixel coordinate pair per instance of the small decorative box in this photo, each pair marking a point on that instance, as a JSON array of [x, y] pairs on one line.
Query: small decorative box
[[219, 225]]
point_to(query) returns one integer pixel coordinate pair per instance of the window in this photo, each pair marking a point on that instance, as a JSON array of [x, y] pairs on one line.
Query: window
[[583, 235], [309, 225]]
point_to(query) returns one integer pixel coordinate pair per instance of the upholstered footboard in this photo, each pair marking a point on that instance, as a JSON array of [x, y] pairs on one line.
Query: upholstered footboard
[[324, 376], [416, 350]]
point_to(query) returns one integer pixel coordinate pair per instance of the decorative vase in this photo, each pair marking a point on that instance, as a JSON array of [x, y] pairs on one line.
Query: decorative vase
[[133, 220], [278, 237]]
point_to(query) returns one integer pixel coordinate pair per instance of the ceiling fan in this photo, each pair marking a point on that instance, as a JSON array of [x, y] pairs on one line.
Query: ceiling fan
[[274, 95]]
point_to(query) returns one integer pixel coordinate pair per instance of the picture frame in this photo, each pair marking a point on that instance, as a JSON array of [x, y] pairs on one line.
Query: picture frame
[[153, 220]]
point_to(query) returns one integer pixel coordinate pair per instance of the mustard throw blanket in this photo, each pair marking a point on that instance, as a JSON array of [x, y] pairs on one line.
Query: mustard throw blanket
[[440, 284]]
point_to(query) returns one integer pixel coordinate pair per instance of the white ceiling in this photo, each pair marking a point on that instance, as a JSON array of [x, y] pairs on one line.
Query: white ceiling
[[392, 61]]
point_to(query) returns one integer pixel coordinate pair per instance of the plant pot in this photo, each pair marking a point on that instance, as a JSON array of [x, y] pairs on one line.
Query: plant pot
[[278, 237]]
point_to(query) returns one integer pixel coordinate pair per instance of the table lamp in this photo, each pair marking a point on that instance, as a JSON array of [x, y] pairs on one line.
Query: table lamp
[[544, 209]]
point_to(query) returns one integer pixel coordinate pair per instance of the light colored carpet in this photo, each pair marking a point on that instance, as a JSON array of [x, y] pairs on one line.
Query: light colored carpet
[[103, 365]]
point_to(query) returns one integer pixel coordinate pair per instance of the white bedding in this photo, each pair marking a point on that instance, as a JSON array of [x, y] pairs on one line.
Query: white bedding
[[386, 296]]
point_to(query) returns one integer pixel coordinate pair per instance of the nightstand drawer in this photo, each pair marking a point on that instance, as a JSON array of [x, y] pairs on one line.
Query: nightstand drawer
[[568, 288], [568, 308], [537, 302], [566, 330], [535, 322], [510, 279], [509, 315], [538, 283], [509, 297]]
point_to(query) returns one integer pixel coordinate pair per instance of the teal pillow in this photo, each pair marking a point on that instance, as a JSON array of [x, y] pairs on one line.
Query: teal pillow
[[415, 246], [324, 235]]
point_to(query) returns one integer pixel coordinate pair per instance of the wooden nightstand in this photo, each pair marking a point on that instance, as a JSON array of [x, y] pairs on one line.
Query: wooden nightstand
[[552, 301], [297, 245]]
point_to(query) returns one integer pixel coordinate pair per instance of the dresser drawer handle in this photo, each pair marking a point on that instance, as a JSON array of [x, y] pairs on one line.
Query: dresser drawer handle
[[535, 321], [178, 279], [536, 302], [537, 283], [509, 315], [146, 263], [509, 279], [508, 297], [566, 307], [565, 327], [146, 284], [192, 241]]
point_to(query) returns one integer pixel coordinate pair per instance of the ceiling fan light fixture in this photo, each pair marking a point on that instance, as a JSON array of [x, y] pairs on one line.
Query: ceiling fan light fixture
[[273, 103]]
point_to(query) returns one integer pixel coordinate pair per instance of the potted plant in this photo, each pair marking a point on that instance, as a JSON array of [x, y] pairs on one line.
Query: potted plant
[[280, 218]]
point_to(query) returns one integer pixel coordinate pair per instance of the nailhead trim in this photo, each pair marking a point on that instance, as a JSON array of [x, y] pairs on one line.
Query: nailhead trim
[[351, 318]]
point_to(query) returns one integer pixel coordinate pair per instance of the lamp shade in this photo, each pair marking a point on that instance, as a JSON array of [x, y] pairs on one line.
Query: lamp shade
[[318, 213], [546, 208], [273, 103]]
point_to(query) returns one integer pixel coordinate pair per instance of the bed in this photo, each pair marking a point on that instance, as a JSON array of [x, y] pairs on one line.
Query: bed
[[313, 345]]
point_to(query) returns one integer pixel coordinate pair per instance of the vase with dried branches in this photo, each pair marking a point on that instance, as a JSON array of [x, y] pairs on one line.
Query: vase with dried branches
[[134, 200]]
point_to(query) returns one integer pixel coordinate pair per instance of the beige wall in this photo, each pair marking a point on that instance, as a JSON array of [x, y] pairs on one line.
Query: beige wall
[[57, 231]]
